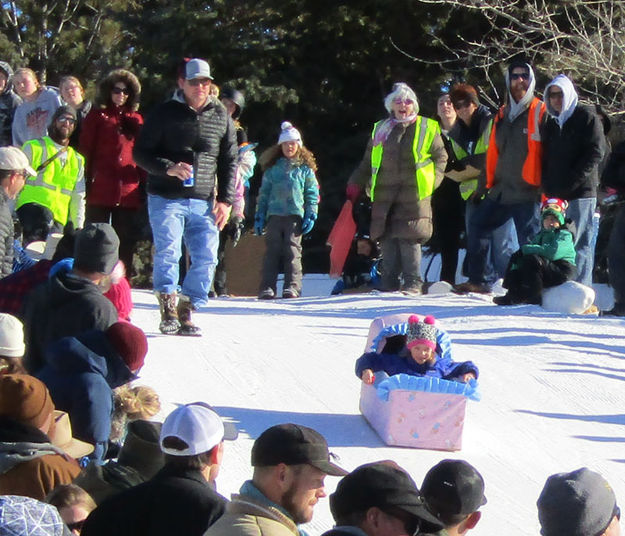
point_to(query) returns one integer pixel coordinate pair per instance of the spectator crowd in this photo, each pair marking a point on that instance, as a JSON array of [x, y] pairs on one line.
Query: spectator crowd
[[79, 450]]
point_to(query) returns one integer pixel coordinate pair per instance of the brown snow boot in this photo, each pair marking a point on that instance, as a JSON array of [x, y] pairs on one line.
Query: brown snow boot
[[187, 327], [169, 316]]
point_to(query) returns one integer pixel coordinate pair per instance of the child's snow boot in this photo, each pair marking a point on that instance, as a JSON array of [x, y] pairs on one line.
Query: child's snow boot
[[169, 317], [187, 327]]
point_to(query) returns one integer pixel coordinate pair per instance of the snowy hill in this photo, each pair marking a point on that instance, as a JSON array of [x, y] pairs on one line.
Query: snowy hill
[[553, 392]]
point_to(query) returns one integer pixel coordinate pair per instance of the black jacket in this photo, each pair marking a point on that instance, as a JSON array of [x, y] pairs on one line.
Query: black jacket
[[64, 306], [6, 235], [173, 502], [175, 132], [571, 155]]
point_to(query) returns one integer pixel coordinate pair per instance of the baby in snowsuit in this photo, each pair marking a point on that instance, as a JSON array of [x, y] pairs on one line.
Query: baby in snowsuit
[[548, 260], [419, 357]]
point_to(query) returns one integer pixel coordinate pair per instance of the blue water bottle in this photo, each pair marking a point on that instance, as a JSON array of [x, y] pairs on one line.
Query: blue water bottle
[[189, 182]]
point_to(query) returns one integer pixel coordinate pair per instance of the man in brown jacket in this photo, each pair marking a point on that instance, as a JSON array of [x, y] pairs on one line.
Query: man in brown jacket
[[290, 464], [30, 464]]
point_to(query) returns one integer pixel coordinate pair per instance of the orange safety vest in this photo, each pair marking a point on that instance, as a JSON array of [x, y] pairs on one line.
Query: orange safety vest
[[532, 167]]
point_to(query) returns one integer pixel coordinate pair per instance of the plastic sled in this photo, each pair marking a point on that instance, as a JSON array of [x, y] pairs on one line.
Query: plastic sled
[[412, 411]]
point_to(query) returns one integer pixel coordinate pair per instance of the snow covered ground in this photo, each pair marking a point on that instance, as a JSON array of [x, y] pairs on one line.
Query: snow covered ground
[[553, 392]]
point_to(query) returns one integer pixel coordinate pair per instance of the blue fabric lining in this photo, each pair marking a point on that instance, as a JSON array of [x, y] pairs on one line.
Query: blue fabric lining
[[427, 384]]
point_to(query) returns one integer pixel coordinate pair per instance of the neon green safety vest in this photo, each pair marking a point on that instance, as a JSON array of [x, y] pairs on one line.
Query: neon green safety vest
[[425, 172], [468, 187], [53, 185]]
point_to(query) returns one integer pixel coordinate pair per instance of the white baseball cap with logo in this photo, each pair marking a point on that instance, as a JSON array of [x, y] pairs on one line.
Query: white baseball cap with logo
[[198, 426], [14, 159]]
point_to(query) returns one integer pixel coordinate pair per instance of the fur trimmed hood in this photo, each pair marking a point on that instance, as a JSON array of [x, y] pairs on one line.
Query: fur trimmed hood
[[103, 98]]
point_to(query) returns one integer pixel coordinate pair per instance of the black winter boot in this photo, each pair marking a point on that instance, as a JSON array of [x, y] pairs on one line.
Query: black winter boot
[[169, 316], [187, 327]]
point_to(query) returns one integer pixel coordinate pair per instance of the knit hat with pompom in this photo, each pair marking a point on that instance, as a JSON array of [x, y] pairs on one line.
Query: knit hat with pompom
[[289, 133], [421, 332]]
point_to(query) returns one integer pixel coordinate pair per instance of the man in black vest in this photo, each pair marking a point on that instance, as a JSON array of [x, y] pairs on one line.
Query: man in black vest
[[188, 147]]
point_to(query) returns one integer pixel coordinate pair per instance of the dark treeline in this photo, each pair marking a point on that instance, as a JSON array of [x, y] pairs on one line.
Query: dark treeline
[[321, 64]]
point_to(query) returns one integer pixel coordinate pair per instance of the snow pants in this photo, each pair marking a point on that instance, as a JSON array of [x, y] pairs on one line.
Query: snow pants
[[283, 236]]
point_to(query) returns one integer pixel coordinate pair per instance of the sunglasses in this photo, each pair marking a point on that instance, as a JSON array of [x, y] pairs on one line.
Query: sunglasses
[[69, 120], [407, 102], [462, 104], [412, 524], [119, 90], [199, 82], [519, 76], [76, 526]]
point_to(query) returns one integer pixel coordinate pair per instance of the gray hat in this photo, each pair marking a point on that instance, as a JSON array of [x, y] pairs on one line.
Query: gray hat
[[96, 248], [580, 503], [197, 68], [63, 110], [14, 159]]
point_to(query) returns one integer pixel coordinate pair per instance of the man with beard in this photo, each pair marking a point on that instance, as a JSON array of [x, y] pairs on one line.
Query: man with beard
[[513, 175], [290, 464], [57, 192]]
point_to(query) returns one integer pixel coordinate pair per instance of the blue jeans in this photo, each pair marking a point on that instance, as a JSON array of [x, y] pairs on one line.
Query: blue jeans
[[488, 216], [173, 220], [581, 213], [503, 242]]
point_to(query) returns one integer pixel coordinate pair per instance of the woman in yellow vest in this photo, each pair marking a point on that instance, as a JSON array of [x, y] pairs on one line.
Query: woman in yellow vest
[[403, 163]]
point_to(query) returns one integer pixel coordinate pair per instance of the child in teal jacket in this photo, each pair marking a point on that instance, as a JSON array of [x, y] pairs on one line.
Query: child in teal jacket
[[547, 261], [287, 207]]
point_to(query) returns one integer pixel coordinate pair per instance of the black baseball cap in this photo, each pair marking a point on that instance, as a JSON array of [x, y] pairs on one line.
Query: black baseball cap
[[383, 485], [293, 444], [453, 487]]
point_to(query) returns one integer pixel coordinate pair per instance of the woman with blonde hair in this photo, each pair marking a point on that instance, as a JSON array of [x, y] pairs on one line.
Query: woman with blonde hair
[[73, 94], [39, 103]]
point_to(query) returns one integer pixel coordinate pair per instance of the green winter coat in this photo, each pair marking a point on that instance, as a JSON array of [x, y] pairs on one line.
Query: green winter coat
[[553, 245]]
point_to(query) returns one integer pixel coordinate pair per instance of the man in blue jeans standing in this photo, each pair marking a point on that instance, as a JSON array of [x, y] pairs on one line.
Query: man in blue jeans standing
[[188, 147], [513, 175]]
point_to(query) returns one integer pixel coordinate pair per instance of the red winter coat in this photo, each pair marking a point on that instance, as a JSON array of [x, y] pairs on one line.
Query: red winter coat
[[106, 141]]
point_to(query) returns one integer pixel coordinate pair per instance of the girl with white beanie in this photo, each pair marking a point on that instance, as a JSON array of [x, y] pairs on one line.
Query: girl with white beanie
[[286, 209]]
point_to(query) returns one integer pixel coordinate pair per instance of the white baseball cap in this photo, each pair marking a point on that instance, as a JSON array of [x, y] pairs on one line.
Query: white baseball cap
[[14, 159], [198, 426]]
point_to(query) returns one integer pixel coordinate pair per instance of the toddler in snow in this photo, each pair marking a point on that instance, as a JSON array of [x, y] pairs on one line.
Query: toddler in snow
[[287, 207], [548, 260], [421, 356]]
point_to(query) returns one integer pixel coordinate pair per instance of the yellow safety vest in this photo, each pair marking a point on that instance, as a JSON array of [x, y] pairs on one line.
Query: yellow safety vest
[[53, 185], [468, 187], [425, 172]]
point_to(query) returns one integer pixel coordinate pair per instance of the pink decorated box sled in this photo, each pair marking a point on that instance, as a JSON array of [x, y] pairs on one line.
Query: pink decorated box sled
[[412, 411]]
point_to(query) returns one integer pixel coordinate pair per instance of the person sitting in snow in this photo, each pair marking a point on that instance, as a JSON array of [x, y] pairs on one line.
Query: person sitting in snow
[[547, 261], [419, 357]]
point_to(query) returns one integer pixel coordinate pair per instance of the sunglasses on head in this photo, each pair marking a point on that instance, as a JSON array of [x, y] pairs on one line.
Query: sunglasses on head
[[407, 102], [519, 76], [119, 90]]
